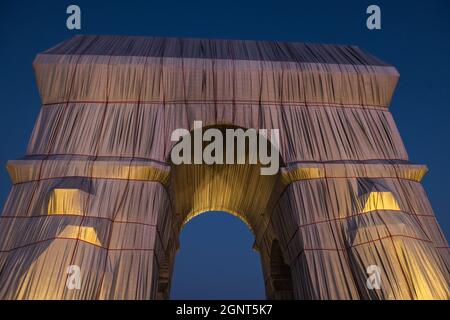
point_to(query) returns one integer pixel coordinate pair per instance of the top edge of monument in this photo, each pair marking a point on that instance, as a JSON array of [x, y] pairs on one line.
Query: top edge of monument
[[278, 51]]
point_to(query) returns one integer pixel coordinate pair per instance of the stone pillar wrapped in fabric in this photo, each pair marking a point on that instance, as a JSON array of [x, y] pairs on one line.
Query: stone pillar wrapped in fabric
[[97, 195]]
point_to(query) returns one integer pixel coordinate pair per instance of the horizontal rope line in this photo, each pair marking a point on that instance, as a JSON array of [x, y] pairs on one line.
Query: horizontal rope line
[[388, 237], [146, 249], [356, 215], [154, 225], [98, 178], [76, 239], [293, 162], [303, 250], [390, 161], [127, 159], [76, 216], [364, 213], [355, 177], [256, 102], [158, 181]]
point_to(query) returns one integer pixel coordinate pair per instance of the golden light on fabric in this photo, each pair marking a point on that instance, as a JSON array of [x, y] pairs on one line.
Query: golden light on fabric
[[373, 201]]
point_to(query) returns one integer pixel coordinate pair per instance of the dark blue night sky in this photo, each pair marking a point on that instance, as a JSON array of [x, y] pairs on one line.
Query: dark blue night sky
[[215, 258]]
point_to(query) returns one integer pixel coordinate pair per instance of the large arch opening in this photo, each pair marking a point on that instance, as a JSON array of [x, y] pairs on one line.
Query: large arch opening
[[215, 260], [240, 189]]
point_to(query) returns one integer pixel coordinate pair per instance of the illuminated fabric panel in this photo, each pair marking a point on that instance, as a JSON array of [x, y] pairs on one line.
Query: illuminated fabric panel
[[379, 201], [423, 279], [87, 234], [66, 201]]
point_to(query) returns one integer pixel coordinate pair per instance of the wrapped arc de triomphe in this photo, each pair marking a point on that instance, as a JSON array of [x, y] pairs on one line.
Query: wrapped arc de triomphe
[[96, 188]]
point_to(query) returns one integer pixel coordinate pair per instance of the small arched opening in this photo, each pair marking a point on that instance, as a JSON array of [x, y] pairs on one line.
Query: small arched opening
[[280, 275], [239, 189]]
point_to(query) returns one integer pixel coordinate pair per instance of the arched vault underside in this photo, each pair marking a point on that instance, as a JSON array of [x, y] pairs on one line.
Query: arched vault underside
[[96, 190]]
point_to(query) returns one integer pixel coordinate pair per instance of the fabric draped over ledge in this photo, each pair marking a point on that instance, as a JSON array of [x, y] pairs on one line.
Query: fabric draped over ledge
[[96, 188]]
